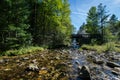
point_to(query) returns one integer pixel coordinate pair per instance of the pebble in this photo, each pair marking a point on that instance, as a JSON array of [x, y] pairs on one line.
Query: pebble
[[1, 61]]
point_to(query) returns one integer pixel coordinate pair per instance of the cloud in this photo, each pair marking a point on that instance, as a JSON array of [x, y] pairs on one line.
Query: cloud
[[79, 13]]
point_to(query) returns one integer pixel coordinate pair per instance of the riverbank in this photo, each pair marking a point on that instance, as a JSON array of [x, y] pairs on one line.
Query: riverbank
[[42, 65], [70, 64]]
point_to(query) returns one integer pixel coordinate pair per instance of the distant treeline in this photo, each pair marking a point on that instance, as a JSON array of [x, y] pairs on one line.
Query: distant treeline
[[99, 21], [34, 22]]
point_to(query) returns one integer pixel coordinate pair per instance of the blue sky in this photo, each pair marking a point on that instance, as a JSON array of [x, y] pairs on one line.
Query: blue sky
[[80, 8]]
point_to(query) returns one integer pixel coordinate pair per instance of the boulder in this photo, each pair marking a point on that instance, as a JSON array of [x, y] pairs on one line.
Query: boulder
[[112, 64], [85, 73], [116, 71], [79, 68], [98, 61]]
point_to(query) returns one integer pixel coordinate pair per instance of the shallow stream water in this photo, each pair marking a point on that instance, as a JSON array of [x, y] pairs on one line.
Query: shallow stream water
[[97, 71]]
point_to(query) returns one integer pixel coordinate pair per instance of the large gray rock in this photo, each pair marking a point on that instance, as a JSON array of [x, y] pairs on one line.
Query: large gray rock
[[112, 64], [98, 61], [85, 73], [116, 71]]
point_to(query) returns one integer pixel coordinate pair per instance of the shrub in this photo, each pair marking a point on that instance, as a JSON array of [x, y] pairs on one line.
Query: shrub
[[22, 51], [110, 46]]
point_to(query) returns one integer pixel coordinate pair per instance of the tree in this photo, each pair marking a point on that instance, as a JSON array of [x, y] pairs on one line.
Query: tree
[[118, 30], [92, 21], [14, 31], [113, 23], [82, 28], [4, 8], [51, 25], [102, 19], [44, 22], [102, 16]]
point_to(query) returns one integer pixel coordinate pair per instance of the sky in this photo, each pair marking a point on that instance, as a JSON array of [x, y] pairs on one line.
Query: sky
[[80, 8]]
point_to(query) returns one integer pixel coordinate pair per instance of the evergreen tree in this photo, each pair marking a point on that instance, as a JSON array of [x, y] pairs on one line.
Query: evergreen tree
[[113, 23], [14, 31], [92, 21], [51, 25], [102, 16], [82, 28], [102, 19]]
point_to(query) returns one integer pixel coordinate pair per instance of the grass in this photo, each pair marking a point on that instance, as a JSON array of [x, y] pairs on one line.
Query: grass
[[20, 51], [110, 46]]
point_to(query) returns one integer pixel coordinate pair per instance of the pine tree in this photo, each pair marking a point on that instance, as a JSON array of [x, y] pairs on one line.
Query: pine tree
[[102, 19], [15, 32], [113, 23], [92, 21], [102, 16]]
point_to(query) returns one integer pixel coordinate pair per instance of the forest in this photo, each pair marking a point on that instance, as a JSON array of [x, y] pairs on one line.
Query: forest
[[104, 27], [99, 21], [38, 41], [44, 23]]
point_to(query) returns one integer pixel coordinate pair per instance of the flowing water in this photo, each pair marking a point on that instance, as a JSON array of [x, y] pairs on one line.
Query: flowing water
[[97, 71]]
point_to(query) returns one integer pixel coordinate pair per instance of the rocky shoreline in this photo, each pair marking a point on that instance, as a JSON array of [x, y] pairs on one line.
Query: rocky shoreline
[[93, 66], [68, 64]]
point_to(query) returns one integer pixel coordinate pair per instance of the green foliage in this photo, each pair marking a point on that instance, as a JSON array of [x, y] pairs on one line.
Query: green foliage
[[98, 23], [97, 48], [110, 46], [109, 36], [93, 41], [22, 51], [92, 21], [113, 24], [51, 25], [34, 22], [14, 31]]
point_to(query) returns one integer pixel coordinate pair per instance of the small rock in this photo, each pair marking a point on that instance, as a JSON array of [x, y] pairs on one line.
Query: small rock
[[117, 69], [34, 61], [2, 61], [43, 68], [112, 64], [26, 58], [18, 61], [57, 58], [115, 72], [32, 67], [77, 62], [8, 69], [70, 65]]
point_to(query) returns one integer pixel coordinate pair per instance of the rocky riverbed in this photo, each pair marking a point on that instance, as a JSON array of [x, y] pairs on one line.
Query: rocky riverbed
[[88, 65], [68, 64]]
